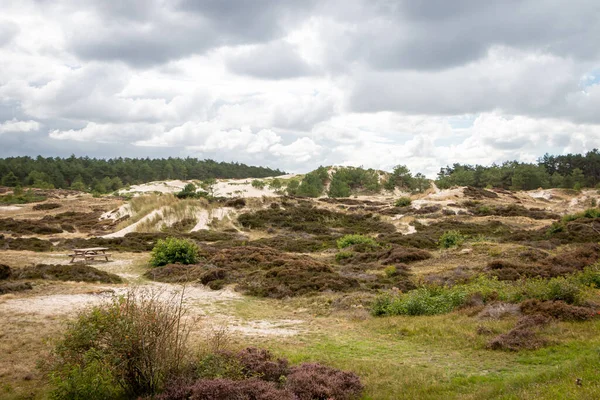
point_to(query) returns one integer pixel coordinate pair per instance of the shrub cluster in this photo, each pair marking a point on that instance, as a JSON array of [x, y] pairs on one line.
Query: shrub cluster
[[136, 347], [173, 250], [403, 202], [435, 299], [451, 239], [350, 240]]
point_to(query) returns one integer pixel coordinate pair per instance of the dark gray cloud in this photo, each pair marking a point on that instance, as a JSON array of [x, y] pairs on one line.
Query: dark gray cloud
[[440, 34], [144, 34], [276, 60]]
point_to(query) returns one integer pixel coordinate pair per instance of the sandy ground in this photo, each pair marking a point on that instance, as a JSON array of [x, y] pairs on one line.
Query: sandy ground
[[65, 299], [224, 187]]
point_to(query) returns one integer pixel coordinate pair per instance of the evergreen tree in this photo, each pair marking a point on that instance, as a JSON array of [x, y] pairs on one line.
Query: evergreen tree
[[10, 180]]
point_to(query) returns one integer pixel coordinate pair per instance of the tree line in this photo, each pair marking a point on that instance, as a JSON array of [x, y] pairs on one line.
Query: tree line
[[106, 175], [571, 171]]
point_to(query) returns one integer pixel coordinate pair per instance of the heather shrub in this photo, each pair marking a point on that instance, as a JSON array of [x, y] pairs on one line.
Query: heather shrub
[[226, 389], [557, 309], [172, 250], [315, 381], [5, 271], [524, 336], [260, 363]]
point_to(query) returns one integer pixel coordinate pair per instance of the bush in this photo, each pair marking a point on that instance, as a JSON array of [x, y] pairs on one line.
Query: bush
[[390, 271], [522, 336], [227, 389], [137, 340], [315, 381], [451, 239], [435, 299], [5, 271], [403, 202], [350, 240], [260, 363], [557, 309], [91, 381], [172, 250], [258, 184]]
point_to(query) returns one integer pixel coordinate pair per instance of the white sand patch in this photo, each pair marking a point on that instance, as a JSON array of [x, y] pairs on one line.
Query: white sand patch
[[541, 194], [123, 211], [446, 193], [9, 208], [225, 187], [197, 298], [157, 186], [417, 204], [133, 227], [284, 327], [56, 304], [403, 224], [205, 217]]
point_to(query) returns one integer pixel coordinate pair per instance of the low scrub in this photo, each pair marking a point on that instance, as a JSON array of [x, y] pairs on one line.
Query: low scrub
[[13, 287], [350, 240], [46, 206], [403, 202], [434, 299], [137, 347], [558, 310], [451, 239], [318, 221], [524, 336], [32, 244], [172, 250], [71, 272]]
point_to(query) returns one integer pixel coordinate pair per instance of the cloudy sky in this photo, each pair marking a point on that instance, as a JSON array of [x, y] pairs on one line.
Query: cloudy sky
[[296, 84]]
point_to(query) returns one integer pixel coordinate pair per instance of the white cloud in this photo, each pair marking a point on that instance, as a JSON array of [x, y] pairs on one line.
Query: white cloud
[[15, 126]]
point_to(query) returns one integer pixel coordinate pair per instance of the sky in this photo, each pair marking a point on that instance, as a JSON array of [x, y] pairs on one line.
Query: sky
[[298, 84]]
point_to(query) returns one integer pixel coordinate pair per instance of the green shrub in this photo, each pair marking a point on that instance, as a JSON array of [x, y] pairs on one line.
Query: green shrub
[[172, 250], [137, 341], [451, 239], [390, 271], [350, 240], [403, 202], [433, 299], [90, 380], [258, 184], [589, 213], [590, 276]]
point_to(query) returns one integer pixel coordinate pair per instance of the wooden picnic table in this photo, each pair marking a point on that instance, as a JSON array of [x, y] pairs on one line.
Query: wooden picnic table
[[90, 253]]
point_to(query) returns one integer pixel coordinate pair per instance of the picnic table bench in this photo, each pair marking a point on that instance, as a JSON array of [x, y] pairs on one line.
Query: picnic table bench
[[90, 254]]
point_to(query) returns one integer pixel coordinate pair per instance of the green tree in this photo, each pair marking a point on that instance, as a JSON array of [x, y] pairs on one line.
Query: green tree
[[10, 180], [338, 188], [578, 178], [292, 187], [529, 177]]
